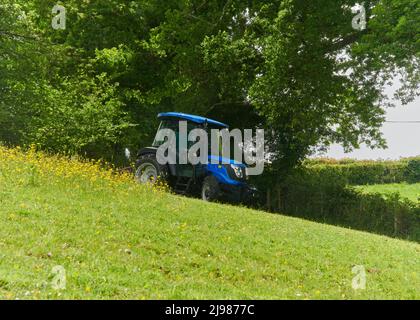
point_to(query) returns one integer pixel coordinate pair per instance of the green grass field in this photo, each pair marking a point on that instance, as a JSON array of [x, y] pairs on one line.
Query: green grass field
[[409, 191], [117, 240]]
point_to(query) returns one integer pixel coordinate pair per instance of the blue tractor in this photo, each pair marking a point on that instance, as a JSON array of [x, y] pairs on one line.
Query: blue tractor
[[224, 181]]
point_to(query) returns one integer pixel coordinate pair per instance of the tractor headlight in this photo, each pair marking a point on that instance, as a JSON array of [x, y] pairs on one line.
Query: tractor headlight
[[238, 171]]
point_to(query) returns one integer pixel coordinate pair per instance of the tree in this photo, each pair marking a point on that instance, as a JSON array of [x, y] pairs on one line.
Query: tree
[[313, 77], [297, 68], [47, 98], [26, 61]]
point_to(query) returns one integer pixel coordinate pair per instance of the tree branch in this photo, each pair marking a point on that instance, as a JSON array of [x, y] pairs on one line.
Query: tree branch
[[346, 41], [10, 34], [354, 37]]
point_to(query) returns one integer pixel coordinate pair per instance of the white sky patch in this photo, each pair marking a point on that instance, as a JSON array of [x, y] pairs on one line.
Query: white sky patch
[[403, 138]]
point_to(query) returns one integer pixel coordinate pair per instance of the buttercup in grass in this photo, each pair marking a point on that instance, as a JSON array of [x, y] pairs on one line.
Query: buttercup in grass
[[34, 166]]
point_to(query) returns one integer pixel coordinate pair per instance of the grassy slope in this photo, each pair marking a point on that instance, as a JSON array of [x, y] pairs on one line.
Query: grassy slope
[[124, 241], [410, 191]]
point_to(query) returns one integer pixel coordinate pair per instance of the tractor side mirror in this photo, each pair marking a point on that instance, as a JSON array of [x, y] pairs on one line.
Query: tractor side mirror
[[127, 154]]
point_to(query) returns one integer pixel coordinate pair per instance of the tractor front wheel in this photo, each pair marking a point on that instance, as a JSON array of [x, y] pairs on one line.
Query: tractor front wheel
[[149, 171], [210, 190]]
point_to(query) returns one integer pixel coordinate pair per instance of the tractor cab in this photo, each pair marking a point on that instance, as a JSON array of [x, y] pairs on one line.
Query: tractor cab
[[214, 180]]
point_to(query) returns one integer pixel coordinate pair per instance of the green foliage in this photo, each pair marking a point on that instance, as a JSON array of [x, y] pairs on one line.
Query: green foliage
[[364, 172], [22, 58], [412, 171], [299, 65], [82, 117], [320, 191], [321, 195], [391, 44]]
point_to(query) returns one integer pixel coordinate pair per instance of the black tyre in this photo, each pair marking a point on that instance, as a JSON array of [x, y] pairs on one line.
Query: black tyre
[[149, 171], [210, 190]]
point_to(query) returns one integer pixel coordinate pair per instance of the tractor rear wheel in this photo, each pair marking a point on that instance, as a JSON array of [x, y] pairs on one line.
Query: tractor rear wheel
[[149, 171], [210, 190]]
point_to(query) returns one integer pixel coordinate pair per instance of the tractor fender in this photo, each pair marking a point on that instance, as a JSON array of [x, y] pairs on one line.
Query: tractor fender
[[147, 150]]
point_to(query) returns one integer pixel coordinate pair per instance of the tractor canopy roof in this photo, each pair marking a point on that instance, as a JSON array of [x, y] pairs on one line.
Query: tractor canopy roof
[[192, 118]]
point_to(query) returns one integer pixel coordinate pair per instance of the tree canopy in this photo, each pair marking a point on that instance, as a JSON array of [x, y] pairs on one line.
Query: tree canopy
[[298, 69]]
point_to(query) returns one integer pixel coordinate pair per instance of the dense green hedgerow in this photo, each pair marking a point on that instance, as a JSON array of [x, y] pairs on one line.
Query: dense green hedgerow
[[368, 172], [321, 194]]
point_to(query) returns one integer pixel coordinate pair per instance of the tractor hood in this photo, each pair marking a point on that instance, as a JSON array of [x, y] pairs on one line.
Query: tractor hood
[[222, 160]]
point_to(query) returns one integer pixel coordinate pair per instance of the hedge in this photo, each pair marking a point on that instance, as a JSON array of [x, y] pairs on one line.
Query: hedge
[[323, 195], [367, 172]]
